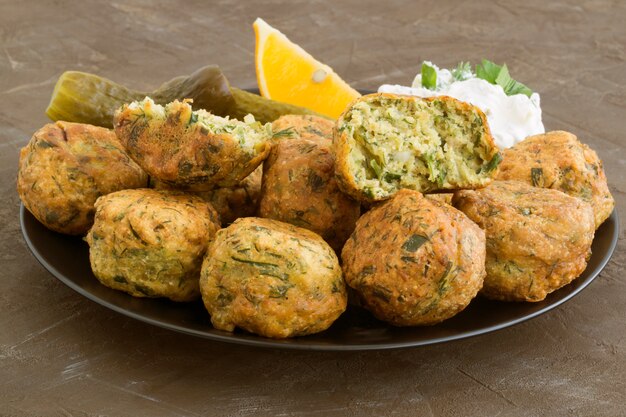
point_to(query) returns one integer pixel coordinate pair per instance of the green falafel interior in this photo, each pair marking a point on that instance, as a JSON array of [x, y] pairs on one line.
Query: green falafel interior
[[250, 132], [397, 142]]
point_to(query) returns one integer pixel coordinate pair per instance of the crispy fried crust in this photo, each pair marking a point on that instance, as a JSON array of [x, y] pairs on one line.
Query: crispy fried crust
[[296, 126], [386, 142], [150, 243], [558, 160], [272, 279], [231, 203], [193, 150], [65, 167], [441, 197], [414, 261], [538, 240], [299, 187]]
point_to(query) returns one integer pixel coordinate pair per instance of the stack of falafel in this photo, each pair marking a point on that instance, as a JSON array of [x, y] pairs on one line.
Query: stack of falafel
[[167, 202]]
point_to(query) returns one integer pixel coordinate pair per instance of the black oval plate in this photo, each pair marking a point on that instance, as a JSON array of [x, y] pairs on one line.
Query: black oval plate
[[67, 258]]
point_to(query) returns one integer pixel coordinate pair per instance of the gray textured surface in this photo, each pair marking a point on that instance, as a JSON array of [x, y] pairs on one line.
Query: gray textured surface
[[63, 355]]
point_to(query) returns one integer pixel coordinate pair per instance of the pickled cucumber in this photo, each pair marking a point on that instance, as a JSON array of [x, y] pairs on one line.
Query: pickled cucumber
[[263, 109], [87, 98]]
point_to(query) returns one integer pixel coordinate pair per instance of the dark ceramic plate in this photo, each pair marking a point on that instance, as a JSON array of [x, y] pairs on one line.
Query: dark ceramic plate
[[67, 258]]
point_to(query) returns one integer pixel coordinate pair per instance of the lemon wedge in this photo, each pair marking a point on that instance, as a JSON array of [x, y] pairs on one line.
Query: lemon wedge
[[286, 72]]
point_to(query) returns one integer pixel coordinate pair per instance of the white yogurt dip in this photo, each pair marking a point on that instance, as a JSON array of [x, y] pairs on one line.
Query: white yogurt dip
[[510, 118]]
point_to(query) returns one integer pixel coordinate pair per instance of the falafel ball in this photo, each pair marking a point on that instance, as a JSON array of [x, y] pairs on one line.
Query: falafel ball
[[231, 203], [538, 239], [299, 187], [296, 126], [558, 160], [65, 167], [414, 261], [195, 150], [272, 279], [150, 243]]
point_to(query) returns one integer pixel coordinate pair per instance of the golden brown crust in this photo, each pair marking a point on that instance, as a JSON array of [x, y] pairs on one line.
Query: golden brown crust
[[299, 187], [558, 160], [296, 126], [414, 261], [538, 240], [182, 152], [489, 153], [150, 243], [231, 203], [241, 200], [271, 278], [440, 197], [65, 167]]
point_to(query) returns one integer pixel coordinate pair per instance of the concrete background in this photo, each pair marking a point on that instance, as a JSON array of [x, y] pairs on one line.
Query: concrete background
[[62, 355]]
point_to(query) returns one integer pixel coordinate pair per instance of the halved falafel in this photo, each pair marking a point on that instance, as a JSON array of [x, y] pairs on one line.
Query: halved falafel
[[385, 142], [195, 150]]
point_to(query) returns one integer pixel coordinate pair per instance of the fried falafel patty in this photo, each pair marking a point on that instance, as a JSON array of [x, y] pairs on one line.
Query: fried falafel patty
[[558, 160], [441, 197], [271, 278], [65, 167], [299, 187], [296, 126], [538, 239], [231, 203], [385, 142], [150, 243], [414, 261], [191, 149]]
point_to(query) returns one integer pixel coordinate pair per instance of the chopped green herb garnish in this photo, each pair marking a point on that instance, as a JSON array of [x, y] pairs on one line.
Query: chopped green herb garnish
[[313, 130], [280, 291], [143, 289], [462, 71], [536, 176], [493, 164], [224, 298], [377, 168], [368, 270], [390, 176], [499, 75], [429, 76], [487, 71], [257, 264], [413, 243], [288, 132], [120, 279], [135, 234], [314, 181], [443, 281], [45, 144], [381, 293]]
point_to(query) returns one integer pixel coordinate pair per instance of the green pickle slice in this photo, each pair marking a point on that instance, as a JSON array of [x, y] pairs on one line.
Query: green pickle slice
[[87, 98], [263, 109]]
